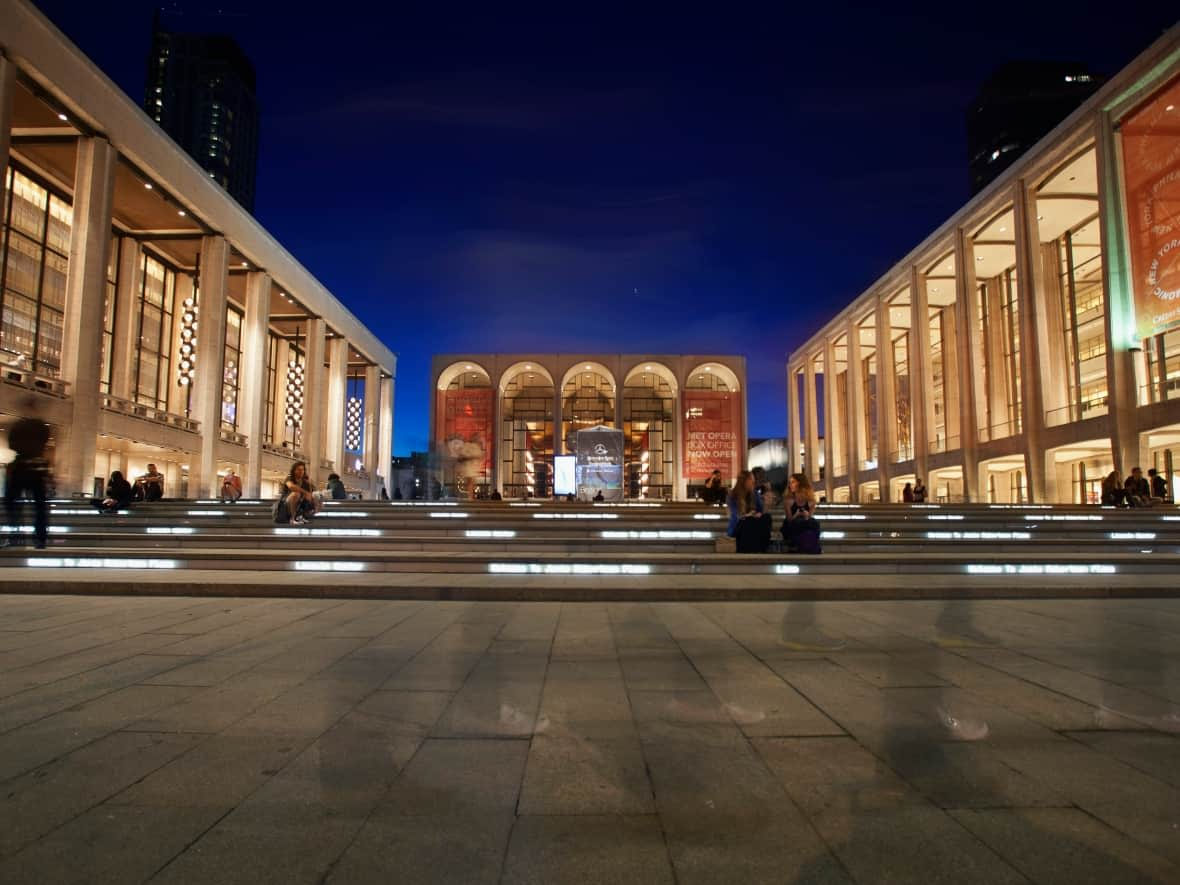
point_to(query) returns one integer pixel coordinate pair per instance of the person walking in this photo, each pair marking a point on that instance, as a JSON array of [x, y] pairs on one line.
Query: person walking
[[27, 473], [231, 487]]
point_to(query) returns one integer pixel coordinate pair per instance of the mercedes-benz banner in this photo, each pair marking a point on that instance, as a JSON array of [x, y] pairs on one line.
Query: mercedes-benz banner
[[600, 463]]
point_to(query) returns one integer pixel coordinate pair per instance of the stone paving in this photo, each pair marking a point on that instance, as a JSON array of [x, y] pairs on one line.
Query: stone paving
[[181, 740]]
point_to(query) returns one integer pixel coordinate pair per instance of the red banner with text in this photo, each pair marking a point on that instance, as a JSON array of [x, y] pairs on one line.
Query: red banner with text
[[1151, 169], [466, 430], [712, 434]]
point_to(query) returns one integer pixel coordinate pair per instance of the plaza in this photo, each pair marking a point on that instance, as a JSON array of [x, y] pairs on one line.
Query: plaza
[[289, 741]]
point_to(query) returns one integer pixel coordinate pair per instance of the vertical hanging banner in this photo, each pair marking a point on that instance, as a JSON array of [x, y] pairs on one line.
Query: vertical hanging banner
[[1151, 170], [712, 434], [600, 463], [466, 431]]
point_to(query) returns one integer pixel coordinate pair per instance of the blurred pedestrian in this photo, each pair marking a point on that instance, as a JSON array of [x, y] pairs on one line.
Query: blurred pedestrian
[[28, 473]]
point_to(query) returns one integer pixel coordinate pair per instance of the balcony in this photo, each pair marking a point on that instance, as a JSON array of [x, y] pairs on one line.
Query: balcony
[[149, 413], [285, 450], [943, 444], [229, 435], [902, 454], [1151, 393], [18, 375], [998, 431], [1077, 412]]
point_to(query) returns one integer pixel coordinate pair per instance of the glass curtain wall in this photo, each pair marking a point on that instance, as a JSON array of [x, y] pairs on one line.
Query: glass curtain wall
[[868, 382], [1083, 309], [110, 298], [231, 363], [272, 387], [1163, 366], [649, 435], [34, 259], [587, 400], [838, 426], [526, 432], [943, 418], [153, 356], [899, 333]]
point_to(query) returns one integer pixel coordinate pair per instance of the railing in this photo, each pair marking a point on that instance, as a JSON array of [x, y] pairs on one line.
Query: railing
[[232, 436], [943, 444], [905, 453], [839, 469], [1150, 393], [22, 377], [869, 463], [149, 413], [285, 450], [998, 431], [1077, 412], [360, 474], [327, 464]]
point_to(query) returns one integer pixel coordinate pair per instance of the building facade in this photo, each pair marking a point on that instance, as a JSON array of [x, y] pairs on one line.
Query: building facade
[[1031, 344], [146, 316], [201, 91], [498, 420]]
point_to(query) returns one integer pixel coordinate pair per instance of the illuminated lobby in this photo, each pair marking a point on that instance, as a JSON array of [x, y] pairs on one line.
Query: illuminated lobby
[[1031, 344], [499, 420], [151, 317]]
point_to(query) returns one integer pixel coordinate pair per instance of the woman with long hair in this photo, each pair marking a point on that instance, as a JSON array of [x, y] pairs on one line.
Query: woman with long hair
[[801, 529], [748, 524], [1114, 493], [298, 499]]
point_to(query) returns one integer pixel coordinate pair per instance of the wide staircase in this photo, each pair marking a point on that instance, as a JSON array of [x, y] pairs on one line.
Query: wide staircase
[[558, 550]]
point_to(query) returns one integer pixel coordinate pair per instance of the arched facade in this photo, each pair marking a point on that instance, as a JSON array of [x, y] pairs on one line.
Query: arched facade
[[527, 408], [464, 429]]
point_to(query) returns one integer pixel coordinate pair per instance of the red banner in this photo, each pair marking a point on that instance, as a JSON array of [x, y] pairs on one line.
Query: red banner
[[465, 428], [712, 434], [1151, 169]]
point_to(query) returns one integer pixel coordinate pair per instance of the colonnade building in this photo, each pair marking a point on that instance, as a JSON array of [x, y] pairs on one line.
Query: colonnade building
[[499, 420], [147, 314], [1031, 344]]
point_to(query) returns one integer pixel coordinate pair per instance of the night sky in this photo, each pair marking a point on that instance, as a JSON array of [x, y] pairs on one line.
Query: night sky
[[613, 179]]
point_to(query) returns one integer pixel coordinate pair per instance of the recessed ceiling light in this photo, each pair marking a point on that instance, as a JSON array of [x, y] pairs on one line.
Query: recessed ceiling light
[[245, 264], [1003, 229], [587, 368], [182, 213], [148, 185], [1040, 218], [708, 369], [63, 118], [1170, 107], [468, 368]]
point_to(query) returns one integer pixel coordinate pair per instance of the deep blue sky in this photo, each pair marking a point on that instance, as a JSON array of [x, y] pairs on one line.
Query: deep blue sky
[[617, 179]]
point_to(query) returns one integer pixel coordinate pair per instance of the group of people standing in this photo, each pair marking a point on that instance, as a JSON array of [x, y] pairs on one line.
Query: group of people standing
[[1136, 491], [750, 501]]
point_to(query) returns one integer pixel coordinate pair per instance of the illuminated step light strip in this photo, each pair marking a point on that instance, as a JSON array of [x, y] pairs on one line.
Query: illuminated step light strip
[[524, 504], [664, 535], [844, 517], [327, 533], [946, 516], [170, 530], [1170, 518], [207, 513], [853, 506], [627, 504], [315, 565], [1064, 517], [1020, 506], [786, 569], [423, 503], [555, 568], [837, 536], [96, 562], [919, 506], [575, 516], [459, 515], [28, 529], [1132, 536], [716, 516], [349, 513], [490, 533], [56, 511], [1035, 569], [978, 536]]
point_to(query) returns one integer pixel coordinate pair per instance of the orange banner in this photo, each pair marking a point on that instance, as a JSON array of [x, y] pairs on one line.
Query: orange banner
[[712, 434], [465, 430], [1151, 170]]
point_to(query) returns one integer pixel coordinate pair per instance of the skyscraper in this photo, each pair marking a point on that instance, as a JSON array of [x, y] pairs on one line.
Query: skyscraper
[[201, 90], [1018, 105]]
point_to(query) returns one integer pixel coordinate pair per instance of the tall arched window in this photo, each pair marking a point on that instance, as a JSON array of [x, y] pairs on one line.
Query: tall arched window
[[649, 429], [464, 431], [526, 431]]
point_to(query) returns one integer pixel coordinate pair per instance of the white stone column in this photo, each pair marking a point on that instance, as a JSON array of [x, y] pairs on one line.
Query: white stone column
[[886, 400], [313, 387], [205, 405], [855, 437], [372, 421], [921, 379], [832, 430], [127, 313], [384, 445], [968, 363], [7, 91], [336, 409], [1117, 286], [254, 377], [794, 434], [811, 419], [94, 177], [1034, 357]]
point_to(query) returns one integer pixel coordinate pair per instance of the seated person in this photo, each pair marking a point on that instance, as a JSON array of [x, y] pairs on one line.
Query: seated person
[[749, 525], [150, 486], [599, 497], [231, 486], [801, 530], [1113, 492], [336, 490], [714, 489], [1138, 489], [297, 503], [1159, 486], [118, 494]]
